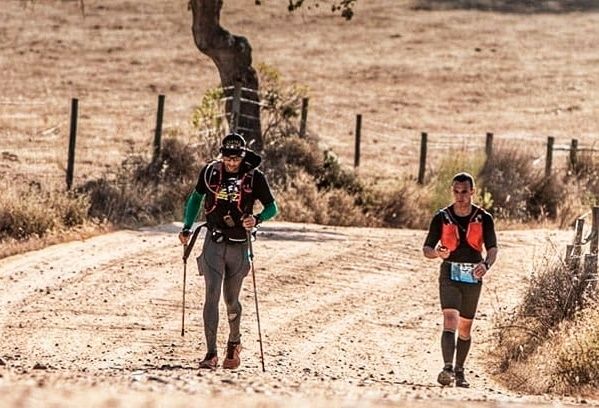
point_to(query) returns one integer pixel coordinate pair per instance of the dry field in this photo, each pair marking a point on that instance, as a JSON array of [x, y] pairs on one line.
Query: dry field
[[453, 73]]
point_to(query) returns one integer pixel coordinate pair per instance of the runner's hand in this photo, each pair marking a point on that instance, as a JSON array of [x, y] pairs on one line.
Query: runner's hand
[[184, 236], [442, 252], [249, 222], [479, 270]]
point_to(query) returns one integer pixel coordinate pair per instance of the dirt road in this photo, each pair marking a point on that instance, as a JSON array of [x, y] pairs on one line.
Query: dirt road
[[349, 317]]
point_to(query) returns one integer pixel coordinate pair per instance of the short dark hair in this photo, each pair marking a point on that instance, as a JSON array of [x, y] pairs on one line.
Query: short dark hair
[[462, 177]]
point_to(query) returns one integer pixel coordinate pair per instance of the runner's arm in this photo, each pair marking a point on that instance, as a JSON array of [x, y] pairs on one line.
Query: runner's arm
[[192, 207], [491, 257], [270, 210]]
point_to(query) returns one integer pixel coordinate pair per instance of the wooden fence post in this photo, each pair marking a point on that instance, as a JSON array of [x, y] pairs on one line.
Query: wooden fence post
[[422, 166], [304, 117], [569, 255], [577, 245], [236, 108], [72, 139], [489, 145], [595, 232], [158, 130], [573, 153], [549, 159], [358, 137]]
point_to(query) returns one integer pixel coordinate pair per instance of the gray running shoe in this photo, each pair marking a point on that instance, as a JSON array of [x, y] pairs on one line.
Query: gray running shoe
[[446, 377]]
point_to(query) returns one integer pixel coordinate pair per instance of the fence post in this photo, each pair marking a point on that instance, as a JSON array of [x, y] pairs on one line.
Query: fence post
[[569, 255], [573, 153], [489, 145], [304, 117], [158, 131], [595, 232], [590, 270], [72, 139], [236, 108], [358, 137], [577, 244], [422, 166], [549, 159]]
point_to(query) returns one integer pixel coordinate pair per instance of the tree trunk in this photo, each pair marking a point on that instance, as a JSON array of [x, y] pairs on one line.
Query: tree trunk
[[232, 55]]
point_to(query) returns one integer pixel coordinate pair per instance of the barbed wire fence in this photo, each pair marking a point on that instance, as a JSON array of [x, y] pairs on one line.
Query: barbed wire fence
[[57, 155]]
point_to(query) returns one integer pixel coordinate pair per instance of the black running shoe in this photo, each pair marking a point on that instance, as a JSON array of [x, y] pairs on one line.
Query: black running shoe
[[446, 377], [460, 379], [210, 361]]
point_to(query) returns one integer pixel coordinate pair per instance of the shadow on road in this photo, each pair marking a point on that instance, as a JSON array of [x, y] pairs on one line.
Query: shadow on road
[[511, 6]]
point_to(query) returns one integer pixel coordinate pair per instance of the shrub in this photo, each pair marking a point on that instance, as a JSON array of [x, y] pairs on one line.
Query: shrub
[[450, 165], [283, 161], [142, 191], [301, 201], [578, 352], [554, 295], [396, 204], [27, 210]]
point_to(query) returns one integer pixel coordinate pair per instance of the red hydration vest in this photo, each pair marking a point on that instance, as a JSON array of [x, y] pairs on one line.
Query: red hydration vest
[[450, 235], [214, 178]]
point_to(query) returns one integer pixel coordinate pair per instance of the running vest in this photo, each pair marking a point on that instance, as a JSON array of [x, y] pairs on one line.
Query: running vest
[[450, 235], [214, 178]]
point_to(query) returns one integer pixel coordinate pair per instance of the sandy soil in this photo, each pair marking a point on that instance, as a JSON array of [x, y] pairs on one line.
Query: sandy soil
[[350, 317]]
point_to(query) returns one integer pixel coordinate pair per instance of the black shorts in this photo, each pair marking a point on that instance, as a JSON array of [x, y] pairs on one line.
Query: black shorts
[[457, 295]]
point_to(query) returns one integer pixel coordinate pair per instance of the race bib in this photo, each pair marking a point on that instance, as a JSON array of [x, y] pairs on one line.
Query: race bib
[[462, 272]]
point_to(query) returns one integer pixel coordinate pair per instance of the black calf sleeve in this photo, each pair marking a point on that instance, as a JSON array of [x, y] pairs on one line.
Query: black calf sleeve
[[462, 349], [448, 346]]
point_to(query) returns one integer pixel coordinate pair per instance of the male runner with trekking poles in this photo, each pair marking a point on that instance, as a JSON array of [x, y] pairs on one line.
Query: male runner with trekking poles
[[229, 188], [456, 235]]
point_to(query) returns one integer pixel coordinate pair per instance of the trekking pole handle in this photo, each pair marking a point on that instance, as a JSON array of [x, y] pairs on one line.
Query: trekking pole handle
[[192, 241]]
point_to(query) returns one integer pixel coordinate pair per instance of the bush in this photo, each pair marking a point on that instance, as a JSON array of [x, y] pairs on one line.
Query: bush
[[397, 204], [301, 201], [452, 164], [578, 352], [27, 210], [142, 191], [554, 295], [284, 161]]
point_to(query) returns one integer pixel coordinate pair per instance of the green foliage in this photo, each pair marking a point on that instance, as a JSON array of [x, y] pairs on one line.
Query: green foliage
[[333, 176], [450, 165], [209, 122], [281, 106]]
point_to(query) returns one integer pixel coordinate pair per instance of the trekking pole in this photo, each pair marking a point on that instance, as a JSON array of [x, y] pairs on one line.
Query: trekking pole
[[184, 277], [186, 251], [251, 256]]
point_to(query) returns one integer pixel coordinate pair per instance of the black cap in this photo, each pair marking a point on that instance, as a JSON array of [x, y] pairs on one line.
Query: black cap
[[233, 145]]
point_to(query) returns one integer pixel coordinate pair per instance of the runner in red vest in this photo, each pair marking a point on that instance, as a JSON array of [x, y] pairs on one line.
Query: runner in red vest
[[457, 235], [229, 188]]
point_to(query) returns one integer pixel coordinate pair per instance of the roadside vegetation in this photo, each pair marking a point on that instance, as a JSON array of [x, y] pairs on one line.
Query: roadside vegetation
[[553, 333], [311, 184]]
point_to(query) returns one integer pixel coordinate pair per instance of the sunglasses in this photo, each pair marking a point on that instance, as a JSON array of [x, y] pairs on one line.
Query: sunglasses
[[232, 158]]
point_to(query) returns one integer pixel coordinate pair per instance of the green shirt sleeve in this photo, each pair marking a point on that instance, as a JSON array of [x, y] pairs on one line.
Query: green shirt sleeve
[[192, 208], [269, 211]]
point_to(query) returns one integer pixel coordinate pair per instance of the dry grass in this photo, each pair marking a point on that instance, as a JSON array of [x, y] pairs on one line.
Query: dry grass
[[552, 332], [455, 74]]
